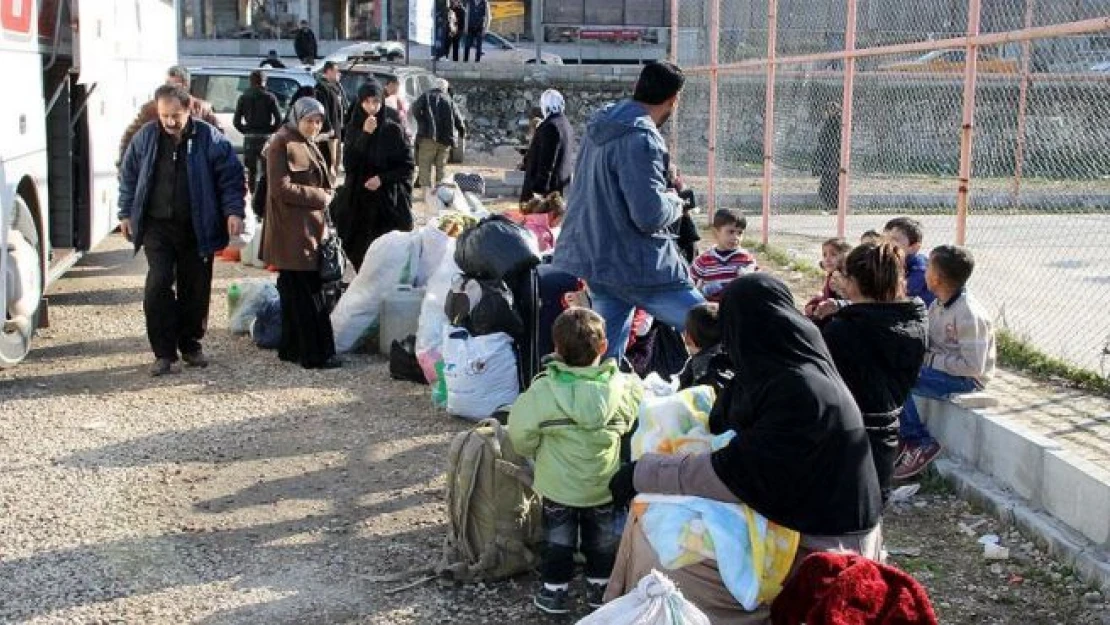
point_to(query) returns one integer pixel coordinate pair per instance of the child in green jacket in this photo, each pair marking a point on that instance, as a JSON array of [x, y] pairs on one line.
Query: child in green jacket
[[570, 421]]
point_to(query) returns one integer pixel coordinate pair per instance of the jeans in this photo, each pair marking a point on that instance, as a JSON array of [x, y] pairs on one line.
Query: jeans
[[934, 384], [252, 152], [178, 288], [474, 38], [430, 154], [601, 528], [616, 304]]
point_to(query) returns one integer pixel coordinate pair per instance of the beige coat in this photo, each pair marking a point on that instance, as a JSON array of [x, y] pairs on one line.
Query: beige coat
[[297, 194]]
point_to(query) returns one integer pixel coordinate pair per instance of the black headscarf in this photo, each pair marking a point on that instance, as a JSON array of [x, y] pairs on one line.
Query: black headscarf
[[369, 89], [801, 457]]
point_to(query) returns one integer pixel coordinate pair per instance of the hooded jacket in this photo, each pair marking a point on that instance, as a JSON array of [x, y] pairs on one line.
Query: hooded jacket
[[878, 349], [571, 421], [616, 230], [801, 456]]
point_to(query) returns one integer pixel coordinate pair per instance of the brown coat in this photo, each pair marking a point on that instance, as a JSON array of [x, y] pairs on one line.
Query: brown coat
[[297, 194], [199, 109]]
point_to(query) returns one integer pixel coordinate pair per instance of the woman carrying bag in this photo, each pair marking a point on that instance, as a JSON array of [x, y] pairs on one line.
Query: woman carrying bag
[[379, 165], [299, 189]]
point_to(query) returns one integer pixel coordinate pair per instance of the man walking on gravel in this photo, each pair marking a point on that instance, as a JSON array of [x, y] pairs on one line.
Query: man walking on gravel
[[181, 197]]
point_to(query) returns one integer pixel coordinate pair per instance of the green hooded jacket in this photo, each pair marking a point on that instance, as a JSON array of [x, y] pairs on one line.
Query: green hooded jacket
[[571, 421]]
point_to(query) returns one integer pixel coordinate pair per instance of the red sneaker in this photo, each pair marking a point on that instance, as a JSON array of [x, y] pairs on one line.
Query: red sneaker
[[915, 460]]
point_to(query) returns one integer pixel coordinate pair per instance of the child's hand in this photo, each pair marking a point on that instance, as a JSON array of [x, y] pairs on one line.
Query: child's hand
[[826, 308]]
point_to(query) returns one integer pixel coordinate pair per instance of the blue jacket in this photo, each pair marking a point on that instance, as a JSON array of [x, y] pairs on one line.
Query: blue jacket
[[915, 278], [216, 183], [618, 209]]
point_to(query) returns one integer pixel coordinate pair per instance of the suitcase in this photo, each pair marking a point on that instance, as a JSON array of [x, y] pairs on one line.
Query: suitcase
[[538, 297]]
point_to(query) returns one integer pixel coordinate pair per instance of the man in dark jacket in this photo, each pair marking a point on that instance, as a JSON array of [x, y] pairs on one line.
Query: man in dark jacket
[[257, 116], [304, 44], [616, 233], [438, 128], [180, 199], [330, 93], [478, 16]]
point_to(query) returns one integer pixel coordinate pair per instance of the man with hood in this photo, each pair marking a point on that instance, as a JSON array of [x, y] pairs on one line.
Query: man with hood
[[616, 233]]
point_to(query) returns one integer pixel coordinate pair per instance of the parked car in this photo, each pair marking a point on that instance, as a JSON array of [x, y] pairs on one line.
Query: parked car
[[413, 81], [222, 86], [497, 49], [953, 61], [368, 51]]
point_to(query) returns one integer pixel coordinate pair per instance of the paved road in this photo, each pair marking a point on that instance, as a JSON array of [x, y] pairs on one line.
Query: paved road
[[1045, 277]]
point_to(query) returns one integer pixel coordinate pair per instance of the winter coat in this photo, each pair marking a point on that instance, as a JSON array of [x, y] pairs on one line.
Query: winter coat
[[961, 338], [571, 421], [304, 44], [438, 118], [296, 196], [878, 349], [550, 158], [334, 99], [216, 187], [619, 208], [257, 112], [710, 366], [198, 109], [387, 155], [915, 278], [478, 16]]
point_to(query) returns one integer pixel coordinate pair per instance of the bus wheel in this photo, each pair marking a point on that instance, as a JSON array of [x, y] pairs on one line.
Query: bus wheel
[[23, 282]]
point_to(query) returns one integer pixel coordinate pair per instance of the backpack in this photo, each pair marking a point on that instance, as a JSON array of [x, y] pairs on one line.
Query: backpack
[[493, 515]]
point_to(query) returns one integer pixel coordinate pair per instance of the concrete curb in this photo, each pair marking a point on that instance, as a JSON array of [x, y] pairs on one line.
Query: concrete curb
[[1091, 564]]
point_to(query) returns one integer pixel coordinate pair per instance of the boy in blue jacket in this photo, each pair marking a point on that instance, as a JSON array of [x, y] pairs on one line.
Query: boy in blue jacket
[[908, 234]]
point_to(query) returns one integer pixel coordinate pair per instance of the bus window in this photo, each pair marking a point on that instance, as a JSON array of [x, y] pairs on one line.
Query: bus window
[[223, 92]]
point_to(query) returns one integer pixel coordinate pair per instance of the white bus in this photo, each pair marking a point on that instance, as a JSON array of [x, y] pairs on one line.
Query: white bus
[[75, 73]]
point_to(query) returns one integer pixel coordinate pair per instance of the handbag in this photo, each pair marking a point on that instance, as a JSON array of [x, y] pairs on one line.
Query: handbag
[[332, 262]]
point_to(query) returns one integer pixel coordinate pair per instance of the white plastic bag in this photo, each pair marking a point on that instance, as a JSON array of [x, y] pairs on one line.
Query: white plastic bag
[[250, 226], [249, 256], [244, 299], [433, 319], [433, 246], [654, 601], [355, 318], [481, 373]]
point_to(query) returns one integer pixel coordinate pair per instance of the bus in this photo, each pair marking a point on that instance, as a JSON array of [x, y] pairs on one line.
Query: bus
[[77, 72]]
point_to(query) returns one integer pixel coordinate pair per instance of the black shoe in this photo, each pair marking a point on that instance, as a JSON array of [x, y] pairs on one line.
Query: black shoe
[[161, 367], [595, 595], [195, 359], [552, 601]]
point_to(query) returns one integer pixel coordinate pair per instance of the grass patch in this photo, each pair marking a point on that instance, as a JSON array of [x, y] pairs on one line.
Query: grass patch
[[933, 483], [1018, 354], [785, 260]]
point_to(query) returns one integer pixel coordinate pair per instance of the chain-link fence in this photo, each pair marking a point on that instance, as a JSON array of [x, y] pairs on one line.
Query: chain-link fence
[[988, 121]]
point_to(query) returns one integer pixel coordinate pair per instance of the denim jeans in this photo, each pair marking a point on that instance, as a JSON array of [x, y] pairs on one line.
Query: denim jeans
[[936, 385], [616, 305], [601, 528]]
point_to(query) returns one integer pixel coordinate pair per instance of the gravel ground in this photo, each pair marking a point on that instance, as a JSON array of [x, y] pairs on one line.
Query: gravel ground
[[253, 491]]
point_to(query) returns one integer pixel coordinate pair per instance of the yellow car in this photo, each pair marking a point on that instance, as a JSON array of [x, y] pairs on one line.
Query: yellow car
[[953, 61]]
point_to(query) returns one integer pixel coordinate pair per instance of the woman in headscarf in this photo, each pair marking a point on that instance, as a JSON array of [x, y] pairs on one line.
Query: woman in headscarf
[[299, 189], [549, 163], [379, 164], [800, 458]]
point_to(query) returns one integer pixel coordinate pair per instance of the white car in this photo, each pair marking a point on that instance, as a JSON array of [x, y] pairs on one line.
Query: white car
[[367, 52]]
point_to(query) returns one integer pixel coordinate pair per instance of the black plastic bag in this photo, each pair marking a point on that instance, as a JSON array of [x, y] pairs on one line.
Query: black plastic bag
[[402, 361], [482, 307], [495, 248]]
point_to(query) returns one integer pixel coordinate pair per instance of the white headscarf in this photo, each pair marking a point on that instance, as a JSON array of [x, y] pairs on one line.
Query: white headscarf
[[552, 102]]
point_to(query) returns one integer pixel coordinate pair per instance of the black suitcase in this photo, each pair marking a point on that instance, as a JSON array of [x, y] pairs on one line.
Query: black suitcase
[[525, 286]]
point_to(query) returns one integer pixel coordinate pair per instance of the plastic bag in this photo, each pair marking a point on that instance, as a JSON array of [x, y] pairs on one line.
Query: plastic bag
[[266, 327], [433, 248], [675, 424], [355, 318], [244, 298], [496, 248], [480, 372], [250, 227], [251, 255], [654, 601], [429, 331]]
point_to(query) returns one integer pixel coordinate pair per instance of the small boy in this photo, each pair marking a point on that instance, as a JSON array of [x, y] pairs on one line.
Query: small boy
[[908, 234], [570, 421], [870, 236], [961, 353], [726, 260], [709, 364], [833, 254]]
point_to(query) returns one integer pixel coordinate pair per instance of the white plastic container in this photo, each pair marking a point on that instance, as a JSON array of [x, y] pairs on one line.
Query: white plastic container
[[400, 315]]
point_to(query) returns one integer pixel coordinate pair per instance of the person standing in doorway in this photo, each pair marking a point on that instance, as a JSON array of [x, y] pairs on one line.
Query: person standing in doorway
[[616, 233], [257, 116], [181, 198], [304, 44], [478, 16], [330, 93], [438, 129]]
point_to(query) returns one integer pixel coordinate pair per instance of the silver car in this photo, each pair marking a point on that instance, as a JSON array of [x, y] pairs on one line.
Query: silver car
[[222, 86]]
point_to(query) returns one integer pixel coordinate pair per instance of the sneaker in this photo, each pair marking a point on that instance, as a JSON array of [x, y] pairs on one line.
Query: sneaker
[[195, 359], [552, 601], [161, 367], [915, 460], [595, 595]]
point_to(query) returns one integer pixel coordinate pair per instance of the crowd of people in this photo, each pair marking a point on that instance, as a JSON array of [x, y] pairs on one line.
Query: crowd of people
[[820, 397]]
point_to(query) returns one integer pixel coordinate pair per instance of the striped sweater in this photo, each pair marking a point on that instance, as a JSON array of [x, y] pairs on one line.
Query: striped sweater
[[713, 270]]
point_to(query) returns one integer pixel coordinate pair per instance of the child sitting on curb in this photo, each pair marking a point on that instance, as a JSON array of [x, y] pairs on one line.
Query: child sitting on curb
[[571, 421], [960, 357]]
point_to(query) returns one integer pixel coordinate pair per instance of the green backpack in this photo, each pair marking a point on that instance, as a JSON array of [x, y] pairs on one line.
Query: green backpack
[[493, 515]]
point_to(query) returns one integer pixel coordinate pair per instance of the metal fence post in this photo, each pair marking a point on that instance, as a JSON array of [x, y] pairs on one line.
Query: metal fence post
[[846, 119], [971, 67], [673, 135], [1023, 102], [769, 115], [714, 43]]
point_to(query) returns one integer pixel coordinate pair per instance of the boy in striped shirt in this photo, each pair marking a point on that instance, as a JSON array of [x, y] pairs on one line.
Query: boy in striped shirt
[[726, 260]]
